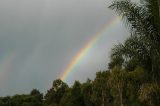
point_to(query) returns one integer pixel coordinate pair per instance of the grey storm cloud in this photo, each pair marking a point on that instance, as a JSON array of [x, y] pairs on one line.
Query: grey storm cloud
[[46, 35]]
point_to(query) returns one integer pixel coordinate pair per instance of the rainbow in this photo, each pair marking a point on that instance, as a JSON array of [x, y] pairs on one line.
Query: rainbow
[[85, 49], [6, 64]]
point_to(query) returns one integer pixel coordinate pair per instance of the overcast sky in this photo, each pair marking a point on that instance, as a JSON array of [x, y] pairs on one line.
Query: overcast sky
[[38, 38]]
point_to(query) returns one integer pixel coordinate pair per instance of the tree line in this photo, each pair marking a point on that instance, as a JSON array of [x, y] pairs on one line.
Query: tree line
[[133, 74]]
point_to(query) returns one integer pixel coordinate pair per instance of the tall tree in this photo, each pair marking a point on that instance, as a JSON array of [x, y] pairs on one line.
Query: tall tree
[[55, 94], [37, 97], [87, 92], [101, 92], [117, 81], [143, 21], [76, 94]]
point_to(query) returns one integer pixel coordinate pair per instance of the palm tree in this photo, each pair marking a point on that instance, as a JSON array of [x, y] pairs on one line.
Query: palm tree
[[143, 20], [134, 52]]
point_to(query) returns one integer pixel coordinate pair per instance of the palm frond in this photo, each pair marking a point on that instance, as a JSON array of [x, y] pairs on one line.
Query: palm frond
[[139, 19]]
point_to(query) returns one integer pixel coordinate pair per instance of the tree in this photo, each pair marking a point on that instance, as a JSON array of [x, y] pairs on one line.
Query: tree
[[87, 92], [55, 94], [134, 52], [76, 94], [144, 23], [67, 99], [73, 97], [117, 82], [134, 81], [36, 97], [5, 101], [149, 94], [101, 92]]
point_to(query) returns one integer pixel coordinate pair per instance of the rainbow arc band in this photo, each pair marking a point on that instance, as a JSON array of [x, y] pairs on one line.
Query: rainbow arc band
[[85, 49], [6, 64]]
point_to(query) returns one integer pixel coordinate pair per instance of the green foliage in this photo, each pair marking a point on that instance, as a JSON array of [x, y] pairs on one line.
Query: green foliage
[[87, 92], [133, 78], [101, 92], [33, 99], [143, 21], [66, 99], [117, 81], [76, 94], [54, 95], [140, 50], [73, 97], [149, 93]]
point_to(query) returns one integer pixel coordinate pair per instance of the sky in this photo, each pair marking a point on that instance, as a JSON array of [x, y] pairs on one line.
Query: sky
[[39, 38]]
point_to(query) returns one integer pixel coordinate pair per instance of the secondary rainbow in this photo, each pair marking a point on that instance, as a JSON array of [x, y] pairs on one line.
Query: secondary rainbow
[[6, 64], [85, 49]]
